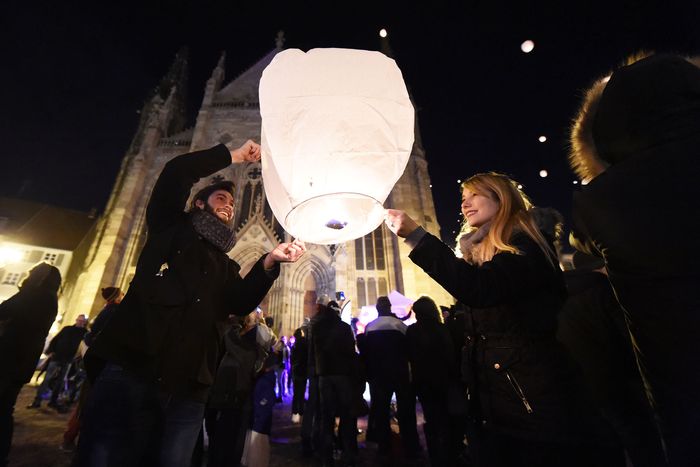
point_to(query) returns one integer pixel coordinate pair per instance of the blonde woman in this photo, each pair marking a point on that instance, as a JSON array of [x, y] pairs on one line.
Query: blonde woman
[[523, 395]]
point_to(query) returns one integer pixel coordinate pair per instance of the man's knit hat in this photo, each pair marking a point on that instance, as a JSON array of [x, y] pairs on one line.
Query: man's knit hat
[[111, 293]]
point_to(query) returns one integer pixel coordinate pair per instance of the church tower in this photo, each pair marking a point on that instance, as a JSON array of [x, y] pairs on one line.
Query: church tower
[[364, 269]]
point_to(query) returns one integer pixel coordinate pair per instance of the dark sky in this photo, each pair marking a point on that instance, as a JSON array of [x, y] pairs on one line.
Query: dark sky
[[74, 76]]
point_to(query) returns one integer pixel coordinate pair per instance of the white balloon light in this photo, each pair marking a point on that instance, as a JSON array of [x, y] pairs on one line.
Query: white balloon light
[[527, 46], [337, 132]]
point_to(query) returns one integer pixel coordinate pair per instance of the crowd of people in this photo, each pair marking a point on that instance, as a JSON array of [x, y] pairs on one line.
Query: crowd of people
[[532, 365]]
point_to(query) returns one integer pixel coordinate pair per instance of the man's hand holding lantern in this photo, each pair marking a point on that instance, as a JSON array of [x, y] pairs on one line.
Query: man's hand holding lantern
[[248, 152], [285, 253]]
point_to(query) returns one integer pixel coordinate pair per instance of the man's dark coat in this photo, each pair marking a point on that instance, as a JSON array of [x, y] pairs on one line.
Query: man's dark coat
[[170, 324]]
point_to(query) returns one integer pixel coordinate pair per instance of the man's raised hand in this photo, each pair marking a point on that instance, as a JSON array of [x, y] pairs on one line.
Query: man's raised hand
[[248, 152], [285, 253]]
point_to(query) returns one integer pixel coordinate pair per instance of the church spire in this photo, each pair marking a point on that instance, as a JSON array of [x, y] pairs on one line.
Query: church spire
[[279, 40], [172, 90]]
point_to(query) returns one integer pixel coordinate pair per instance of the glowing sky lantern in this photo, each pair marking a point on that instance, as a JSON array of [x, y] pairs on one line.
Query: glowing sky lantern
[[337, 132], [527, 46]]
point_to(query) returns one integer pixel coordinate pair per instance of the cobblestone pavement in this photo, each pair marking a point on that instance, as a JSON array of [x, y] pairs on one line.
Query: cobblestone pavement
[[39, 433]]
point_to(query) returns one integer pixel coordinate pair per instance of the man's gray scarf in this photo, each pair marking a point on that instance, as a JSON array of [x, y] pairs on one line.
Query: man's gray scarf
[[210, 227]]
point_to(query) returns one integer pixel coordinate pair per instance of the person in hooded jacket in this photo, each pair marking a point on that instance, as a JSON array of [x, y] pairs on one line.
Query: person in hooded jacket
[[155, 360], [635, 142], [433, 372], [25, 320], [333, 346], [592, 327], [523, 390]]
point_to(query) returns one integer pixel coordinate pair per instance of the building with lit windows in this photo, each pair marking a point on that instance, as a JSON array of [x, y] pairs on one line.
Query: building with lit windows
[[33, 232]]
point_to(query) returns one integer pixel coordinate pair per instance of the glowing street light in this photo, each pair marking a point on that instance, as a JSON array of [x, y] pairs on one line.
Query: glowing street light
[[9, 255], [527, 46], [383, 33], [542, 139], [543, 173]]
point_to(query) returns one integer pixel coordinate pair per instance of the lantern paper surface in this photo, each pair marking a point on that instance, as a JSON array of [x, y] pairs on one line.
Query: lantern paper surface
[[337, 132]]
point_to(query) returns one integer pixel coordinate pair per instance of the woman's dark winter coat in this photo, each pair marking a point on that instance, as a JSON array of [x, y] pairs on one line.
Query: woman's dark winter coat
[[25, 320], [521, 381], [170, 324], [641, 215]]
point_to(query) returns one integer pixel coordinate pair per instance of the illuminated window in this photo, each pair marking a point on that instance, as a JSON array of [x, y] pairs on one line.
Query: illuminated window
[[369, 251], [50, 257], [11, 278], [361, 292]]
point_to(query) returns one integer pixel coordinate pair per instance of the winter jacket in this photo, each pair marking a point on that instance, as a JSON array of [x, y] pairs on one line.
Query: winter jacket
[[64, 345], [521, 382], [300, 354], [333, 345], [100, 322], [641, 215], [384, 350], [236, 373], [25, 320], [171, 322], [431, 355]]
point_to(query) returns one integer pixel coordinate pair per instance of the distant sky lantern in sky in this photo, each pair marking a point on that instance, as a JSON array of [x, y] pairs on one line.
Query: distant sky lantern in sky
[[527, 46], [337, 132], [543, 173], [542, 139], [382, 33]]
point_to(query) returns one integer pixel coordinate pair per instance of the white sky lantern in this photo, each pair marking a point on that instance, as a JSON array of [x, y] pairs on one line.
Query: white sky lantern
[[382, 33], [542, 139], [527, 46], [337, 132], [543, 173]]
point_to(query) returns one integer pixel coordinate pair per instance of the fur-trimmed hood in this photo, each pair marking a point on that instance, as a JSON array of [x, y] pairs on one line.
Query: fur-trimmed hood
[[641, 105]]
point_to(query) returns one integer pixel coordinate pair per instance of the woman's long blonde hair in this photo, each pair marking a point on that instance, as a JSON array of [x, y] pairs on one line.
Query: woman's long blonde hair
[[512, 216]]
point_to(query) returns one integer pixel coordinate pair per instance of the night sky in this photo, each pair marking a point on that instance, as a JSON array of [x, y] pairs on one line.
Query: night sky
[[74, 77]]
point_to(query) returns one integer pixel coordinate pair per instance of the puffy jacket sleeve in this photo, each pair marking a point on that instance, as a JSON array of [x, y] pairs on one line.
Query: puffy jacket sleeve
[[503, 279], [172, 189], [243, 294]]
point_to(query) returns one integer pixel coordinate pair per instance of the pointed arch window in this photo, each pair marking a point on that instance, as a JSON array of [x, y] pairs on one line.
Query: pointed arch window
[[361, 292], [369, 251]]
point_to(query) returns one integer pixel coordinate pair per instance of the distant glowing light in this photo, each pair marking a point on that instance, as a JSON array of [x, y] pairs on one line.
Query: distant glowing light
[[459, 181], [584, 182], [575, 182], [9, 255], [542, 139], [520, 187], [543, 173], [383, 33], [527, 46], [431, 186]]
